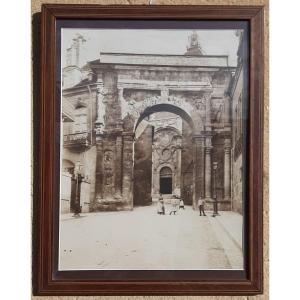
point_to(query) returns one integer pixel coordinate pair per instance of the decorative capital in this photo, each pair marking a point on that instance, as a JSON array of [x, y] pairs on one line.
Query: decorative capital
[[208, 150], [227, 143], [99, 128], [198, 139], [227, 150]]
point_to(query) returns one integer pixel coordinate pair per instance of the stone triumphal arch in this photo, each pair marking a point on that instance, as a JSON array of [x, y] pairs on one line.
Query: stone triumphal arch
[[120, 93]]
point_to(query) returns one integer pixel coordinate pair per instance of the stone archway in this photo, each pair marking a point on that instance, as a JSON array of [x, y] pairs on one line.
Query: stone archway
[[165, 107], [123, 111], [145, 171]]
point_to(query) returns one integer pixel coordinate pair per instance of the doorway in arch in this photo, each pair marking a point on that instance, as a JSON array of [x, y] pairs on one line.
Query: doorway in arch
[[165, 180]]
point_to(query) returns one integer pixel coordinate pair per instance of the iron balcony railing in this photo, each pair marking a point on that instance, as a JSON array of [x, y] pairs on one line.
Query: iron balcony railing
[[79, 139]]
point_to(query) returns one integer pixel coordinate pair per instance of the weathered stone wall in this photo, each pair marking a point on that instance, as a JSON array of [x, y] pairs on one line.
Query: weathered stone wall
[[218, 156], [142, 180], [237, 185], [85, 196], [237, 153], [65, 193], [187, 164]]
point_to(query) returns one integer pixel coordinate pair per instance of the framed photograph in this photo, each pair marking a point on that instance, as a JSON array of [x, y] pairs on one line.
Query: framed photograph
[[148, 151]]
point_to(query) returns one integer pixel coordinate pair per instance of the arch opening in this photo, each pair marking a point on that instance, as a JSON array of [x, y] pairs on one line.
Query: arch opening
[[165, 108], [160, 133]]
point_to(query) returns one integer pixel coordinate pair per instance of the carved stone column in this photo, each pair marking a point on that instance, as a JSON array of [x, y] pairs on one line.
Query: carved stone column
[[178, 168], [207, 97], [227, 148], [109, 94], [208, 149], [118, 167], [99, 170], [227, 115], [155, 175], [178, 163], [127, 174], [109, 163], [92, 178], [208, 146], [198, 159], [99, 123]]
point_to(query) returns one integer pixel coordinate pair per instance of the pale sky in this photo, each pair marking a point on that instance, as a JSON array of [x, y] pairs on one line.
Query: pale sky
[[149, 41]]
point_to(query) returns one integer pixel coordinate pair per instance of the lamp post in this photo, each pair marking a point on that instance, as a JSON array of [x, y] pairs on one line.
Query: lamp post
[[215, 213], [77, 193]]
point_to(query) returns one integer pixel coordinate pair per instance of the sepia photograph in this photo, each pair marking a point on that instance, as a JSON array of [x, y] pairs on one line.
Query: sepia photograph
[[153, 149]]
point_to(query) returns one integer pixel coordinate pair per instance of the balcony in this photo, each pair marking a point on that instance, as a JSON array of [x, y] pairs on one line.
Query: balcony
[[77, 140]]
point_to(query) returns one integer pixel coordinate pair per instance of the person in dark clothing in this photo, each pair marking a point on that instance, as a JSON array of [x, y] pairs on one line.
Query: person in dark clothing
[[201, 204], [181, 204]]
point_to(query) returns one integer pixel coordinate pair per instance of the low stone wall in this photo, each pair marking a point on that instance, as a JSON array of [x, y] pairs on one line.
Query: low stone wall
[[85, 196], [65, 193]]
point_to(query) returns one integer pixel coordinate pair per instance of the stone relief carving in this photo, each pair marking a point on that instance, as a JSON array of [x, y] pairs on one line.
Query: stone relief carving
[[166, 154], [217, 111], [165, 147], [108, 166], [198, 122], [108, 108], [128, 122], [99, 123], [199, 103], [108, 177], [127, 158], [104, 93]]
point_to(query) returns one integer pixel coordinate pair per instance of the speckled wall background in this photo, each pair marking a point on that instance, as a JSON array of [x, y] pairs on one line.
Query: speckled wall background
[[36, 8]]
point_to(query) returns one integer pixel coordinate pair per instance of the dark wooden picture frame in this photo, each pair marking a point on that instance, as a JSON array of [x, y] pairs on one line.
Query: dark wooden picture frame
[[46, 279]]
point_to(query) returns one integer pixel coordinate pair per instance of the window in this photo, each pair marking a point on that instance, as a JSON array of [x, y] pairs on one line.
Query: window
[[80, 124]]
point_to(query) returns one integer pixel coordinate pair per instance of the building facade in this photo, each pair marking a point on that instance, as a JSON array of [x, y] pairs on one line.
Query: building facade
[[136, 125], [238, 96]]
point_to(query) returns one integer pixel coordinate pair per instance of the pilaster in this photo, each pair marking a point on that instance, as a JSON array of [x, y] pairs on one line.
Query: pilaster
[[118, 167], [99, 171], [227, 154], [127, 168], [227, 114], [208, 174], [199, 176]]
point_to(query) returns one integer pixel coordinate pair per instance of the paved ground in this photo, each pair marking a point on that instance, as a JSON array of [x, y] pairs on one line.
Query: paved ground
[[141, 239]]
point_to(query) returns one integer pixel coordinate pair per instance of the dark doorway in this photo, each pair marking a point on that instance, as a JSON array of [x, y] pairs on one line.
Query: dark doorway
[[165, 182], [166, 185], [75, 193]]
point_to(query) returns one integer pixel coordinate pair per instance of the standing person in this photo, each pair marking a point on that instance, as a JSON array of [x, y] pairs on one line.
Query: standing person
[[174, 206], [181, 204], [201, 204], [161, 206]]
